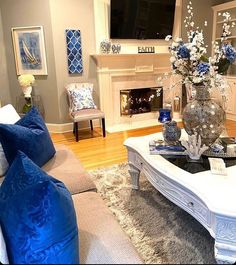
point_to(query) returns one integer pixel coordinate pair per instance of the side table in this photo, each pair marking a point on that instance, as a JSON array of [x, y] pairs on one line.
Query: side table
[[35, 100]]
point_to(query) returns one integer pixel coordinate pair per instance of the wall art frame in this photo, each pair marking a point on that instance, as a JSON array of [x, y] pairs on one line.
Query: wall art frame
[[74, 51], [29, 50]]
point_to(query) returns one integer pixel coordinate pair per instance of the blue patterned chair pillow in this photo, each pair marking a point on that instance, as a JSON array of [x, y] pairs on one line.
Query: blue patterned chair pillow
[[80, 96], [29, 135], [37, 217]]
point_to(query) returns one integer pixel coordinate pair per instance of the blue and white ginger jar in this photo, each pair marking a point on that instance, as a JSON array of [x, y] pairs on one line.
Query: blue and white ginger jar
[[171, 132], [105, 46]]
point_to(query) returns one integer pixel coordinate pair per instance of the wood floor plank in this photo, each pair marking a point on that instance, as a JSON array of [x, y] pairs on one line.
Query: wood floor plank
[[95, 151]]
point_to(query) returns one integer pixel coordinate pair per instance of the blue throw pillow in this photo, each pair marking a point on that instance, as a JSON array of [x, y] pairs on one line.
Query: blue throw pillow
[[37, 216], [29, 135]]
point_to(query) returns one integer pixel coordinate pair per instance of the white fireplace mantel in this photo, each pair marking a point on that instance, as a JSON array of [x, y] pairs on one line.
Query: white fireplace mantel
[[136, 62], [117, 72]]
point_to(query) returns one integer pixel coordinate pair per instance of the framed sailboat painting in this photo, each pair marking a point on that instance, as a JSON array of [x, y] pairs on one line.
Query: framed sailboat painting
[[29, 50]]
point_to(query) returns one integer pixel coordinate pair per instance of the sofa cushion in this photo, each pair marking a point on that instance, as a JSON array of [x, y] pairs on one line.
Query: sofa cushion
[[37, 216], [29, 135], [3, 251], [8, 115], [87, 114], [102, 241], [68, 169]]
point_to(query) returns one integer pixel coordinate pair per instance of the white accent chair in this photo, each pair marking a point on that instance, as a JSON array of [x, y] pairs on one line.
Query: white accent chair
[[84, 114]]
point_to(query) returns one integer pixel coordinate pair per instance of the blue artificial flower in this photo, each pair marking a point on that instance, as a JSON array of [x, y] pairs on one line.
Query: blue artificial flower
[[229, 52], [183, 52], [203, 68]]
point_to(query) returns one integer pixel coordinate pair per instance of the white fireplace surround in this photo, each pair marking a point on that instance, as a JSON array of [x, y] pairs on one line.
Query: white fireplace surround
[[117, 72]]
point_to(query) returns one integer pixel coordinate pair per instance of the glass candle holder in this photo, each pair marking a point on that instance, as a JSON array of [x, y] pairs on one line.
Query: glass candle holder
[[164, 115]]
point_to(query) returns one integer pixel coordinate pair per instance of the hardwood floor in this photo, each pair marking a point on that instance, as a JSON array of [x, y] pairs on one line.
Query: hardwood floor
[[95, 151]]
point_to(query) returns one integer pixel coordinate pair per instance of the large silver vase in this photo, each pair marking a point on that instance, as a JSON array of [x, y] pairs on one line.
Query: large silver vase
[[204, 116]]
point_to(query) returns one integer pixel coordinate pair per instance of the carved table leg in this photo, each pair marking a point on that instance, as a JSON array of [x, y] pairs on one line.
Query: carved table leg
[[225, 241], [135, 174], [225, 254]]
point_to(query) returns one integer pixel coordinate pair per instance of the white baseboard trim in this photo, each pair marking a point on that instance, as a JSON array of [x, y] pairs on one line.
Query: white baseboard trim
[[67, 127], [60, 128]]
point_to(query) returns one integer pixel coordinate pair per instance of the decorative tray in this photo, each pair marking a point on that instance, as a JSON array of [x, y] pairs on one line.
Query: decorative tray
[[221, 155], [225, 147]]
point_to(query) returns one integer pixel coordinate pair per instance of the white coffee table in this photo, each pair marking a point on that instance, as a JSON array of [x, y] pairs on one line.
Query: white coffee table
[[211, 199]]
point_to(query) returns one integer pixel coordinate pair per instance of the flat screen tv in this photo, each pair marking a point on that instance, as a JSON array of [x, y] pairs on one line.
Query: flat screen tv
[[141, 19]]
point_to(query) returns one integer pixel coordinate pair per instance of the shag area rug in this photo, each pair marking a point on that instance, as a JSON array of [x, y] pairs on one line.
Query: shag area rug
[[162, 232]]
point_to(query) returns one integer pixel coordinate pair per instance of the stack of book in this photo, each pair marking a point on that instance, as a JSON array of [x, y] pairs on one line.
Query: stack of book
[[165, 149]]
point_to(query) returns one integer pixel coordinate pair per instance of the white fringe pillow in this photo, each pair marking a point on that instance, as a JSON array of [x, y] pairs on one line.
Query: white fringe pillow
[[8, 115], [3, 251]]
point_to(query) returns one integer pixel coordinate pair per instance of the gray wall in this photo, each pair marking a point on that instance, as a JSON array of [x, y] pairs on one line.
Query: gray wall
[[218, 2], [73, 14], [23, 13], [202, 12], [5, 96], [55, 16]]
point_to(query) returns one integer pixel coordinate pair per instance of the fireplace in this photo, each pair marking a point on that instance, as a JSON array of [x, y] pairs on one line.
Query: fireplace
[[121, 75], [141, 100]]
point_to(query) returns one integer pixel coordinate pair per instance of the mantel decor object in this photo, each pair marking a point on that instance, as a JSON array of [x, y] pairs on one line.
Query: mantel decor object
[[105, 46], [116, 48], [146, 49]]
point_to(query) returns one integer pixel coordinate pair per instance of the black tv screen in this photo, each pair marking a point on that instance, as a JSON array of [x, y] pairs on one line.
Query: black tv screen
[[141, 19]]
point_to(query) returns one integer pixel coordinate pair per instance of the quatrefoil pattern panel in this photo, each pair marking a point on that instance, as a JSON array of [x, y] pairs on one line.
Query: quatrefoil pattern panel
[[74, 51]]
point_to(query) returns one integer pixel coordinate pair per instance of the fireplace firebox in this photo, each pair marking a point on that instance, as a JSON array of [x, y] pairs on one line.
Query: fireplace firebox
[[140, 100]]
